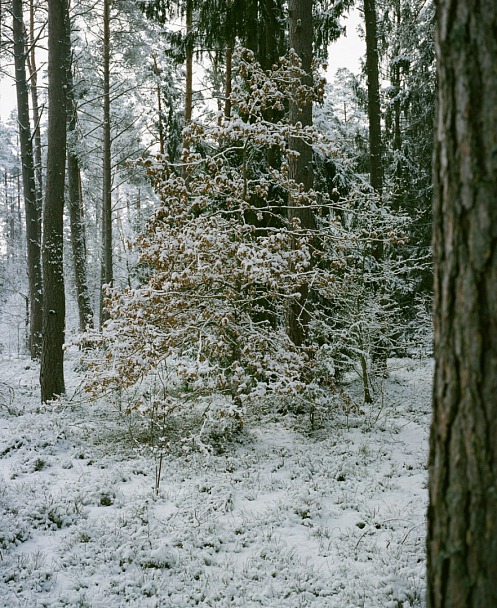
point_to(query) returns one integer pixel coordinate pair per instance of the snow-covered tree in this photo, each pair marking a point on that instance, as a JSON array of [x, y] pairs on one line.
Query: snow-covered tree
[[222, 260]]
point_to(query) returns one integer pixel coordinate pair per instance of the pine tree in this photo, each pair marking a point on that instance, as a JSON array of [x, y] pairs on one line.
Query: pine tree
[[462, 514], [300, 164], [52, 357], [75, 202], [31, 201], [107, 269]]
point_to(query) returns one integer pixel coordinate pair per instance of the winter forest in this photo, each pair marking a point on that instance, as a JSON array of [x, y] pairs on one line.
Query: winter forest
[[248, 305]]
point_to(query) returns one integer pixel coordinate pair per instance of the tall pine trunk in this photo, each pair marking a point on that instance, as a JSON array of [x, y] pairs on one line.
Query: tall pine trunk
[[158, 92], [33, 82], [379, 348], [462, 516], [52, 358], [107, 273], [228, 75], [374, 108], [76, 219], [300, 32], [189, 62], [31, 202]]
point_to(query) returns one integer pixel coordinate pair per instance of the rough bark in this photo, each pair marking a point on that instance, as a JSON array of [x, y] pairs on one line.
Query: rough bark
[[462, 515], [300, 166], [107, 274], [52, 358], [31, 203]]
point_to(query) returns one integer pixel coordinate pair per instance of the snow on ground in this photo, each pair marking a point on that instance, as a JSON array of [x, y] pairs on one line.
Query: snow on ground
[[285, 516]]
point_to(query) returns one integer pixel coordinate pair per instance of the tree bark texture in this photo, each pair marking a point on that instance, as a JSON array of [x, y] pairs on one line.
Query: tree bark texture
[[52, 358], [31, 203], [107, 273], [300, 37], [462, 515]]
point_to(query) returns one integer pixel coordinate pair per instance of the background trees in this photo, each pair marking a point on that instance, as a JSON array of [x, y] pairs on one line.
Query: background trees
[[123, 104], [462, 516], [31, 198]]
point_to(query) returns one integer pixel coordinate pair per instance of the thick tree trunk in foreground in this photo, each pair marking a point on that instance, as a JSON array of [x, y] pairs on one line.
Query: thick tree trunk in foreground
[[462, 516], [300, 32], [52, 357], [31, 203]]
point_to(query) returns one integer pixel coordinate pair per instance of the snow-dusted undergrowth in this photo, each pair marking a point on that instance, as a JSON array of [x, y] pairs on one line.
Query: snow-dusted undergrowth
[[284, 517]]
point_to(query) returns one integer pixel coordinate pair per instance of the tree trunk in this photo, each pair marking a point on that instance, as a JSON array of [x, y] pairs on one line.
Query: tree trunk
[[162, 143], [269, 53], [107, 274], [396, 82], [374, 109], [228, 76], [32, 207], [271, 35], [52, 358], [379, 348], [230, 43], [300, 165], [76, 221], [462, 516], [189, 62], [33, 81]]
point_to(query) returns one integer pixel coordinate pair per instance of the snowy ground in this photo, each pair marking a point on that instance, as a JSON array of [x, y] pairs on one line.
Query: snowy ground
[[284, 517]]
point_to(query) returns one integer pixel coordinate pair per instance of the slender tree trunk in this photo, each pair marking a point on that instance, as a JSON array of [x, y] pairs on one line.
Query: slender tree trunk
[[230, 43], [462, 516], [107, 274], [269, 53], [300, 166], [32, 208], [228, 76], [379, 349], [33, 81], [52, 358], [269, 38], [374, 108], [189, 62], [162, 146], [255, 24], [395, 77], [76, 220]]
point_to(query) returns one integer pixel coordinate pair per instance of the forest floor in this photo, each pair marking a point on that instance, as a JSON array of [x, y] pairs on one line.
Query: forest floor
[[284, 516]]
